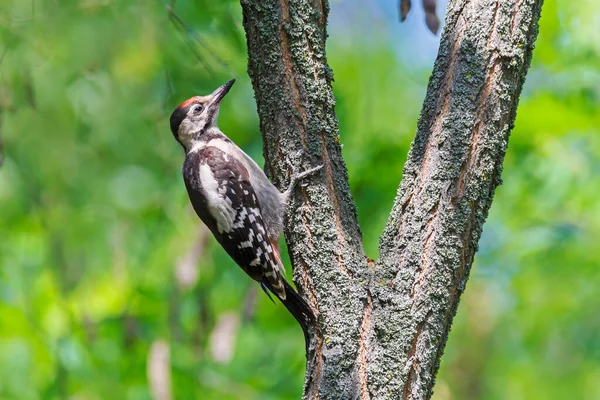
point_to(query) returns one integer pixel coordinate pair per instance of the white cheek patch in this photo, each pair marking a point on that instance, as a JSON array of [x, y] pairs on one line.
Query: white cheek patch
[[218, 207], [187, 129]]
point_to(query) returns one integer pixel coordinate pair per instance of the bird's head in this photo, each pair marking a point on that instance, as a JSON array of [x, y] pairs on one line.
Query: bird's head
[[197, 115]]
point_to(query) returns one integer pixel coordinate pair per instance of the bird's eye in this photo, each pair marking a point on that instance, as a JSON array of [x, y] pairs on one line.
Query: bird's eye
[[198, 109]]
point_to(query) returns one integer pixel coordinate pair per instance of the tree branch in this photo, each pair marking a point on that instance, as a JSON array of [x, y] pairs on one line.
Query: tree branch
[[452, 171], [383, 326], [292, 82]]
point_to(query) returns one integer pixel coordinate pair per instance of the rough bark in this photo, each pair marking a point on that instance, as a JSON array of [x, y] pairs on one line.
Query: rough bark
[[452, 171], [383, 326], [292, 83]]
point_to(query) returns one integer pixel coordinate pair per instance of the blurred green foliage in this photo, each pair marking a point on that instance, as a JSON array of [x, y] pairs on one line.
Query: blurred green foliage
[[108, 284]]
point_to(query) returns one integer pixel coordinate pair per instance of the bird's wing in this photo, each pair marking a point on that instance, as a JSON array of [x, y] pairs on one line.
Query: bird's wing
[[237, 223]]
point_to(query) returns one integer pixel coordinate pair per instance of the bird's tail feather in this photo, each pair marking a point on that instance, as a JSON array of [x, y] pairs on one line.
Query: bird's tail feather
[[300, 309]]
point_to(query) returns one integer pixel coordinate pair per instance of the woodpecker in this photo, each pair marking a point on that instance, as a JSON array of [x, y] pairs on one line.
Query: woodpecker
[[234, 198]]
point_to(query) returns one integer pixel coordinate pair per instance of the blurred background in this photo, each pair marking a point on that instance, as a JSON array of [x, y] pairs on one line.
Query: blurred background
[[111, 288]]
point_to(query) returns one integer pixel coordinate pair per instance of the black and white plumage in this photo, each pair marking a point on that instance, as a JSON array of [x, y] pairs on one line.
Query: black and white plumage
[[220, 190], [233, 197]]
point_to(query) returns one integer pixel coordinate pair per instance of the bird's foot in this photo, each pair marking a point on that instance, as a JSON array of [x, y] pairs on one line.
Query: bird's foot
[[297, 176]]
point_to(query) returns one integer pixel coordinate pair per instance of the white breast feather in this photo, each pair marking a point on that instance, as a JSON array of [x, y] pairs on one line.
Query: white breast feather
[[218, 206]]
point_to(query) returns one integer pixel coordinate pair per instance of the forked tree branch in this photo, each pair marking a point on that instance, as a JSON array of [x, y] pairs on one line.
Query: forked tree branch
[[383, 326]]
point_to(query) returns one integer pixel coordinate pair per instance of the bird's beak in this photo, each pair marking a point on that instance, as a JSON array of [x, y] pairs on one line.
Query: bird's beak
[[218, 94]]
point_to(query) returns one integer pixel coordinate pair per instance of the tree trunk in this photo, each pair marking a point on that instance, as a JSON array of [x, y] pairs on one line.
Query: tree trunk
[[382, 326]]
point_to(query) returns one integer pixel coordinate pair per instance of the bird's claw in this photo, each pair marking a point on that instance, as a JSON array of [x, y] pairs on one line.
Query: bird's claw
[[299, 176]]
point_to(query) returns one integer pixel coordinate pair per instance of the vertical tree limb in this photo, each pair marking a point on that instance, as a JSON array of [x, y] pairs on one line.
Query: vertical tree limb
[[452, 171], [292, 82], [384, 325]]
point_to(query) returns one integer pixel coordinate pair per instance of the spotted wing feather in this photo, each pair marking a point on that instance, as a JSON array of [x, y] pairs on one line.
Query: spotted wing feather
[[224, 199]]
